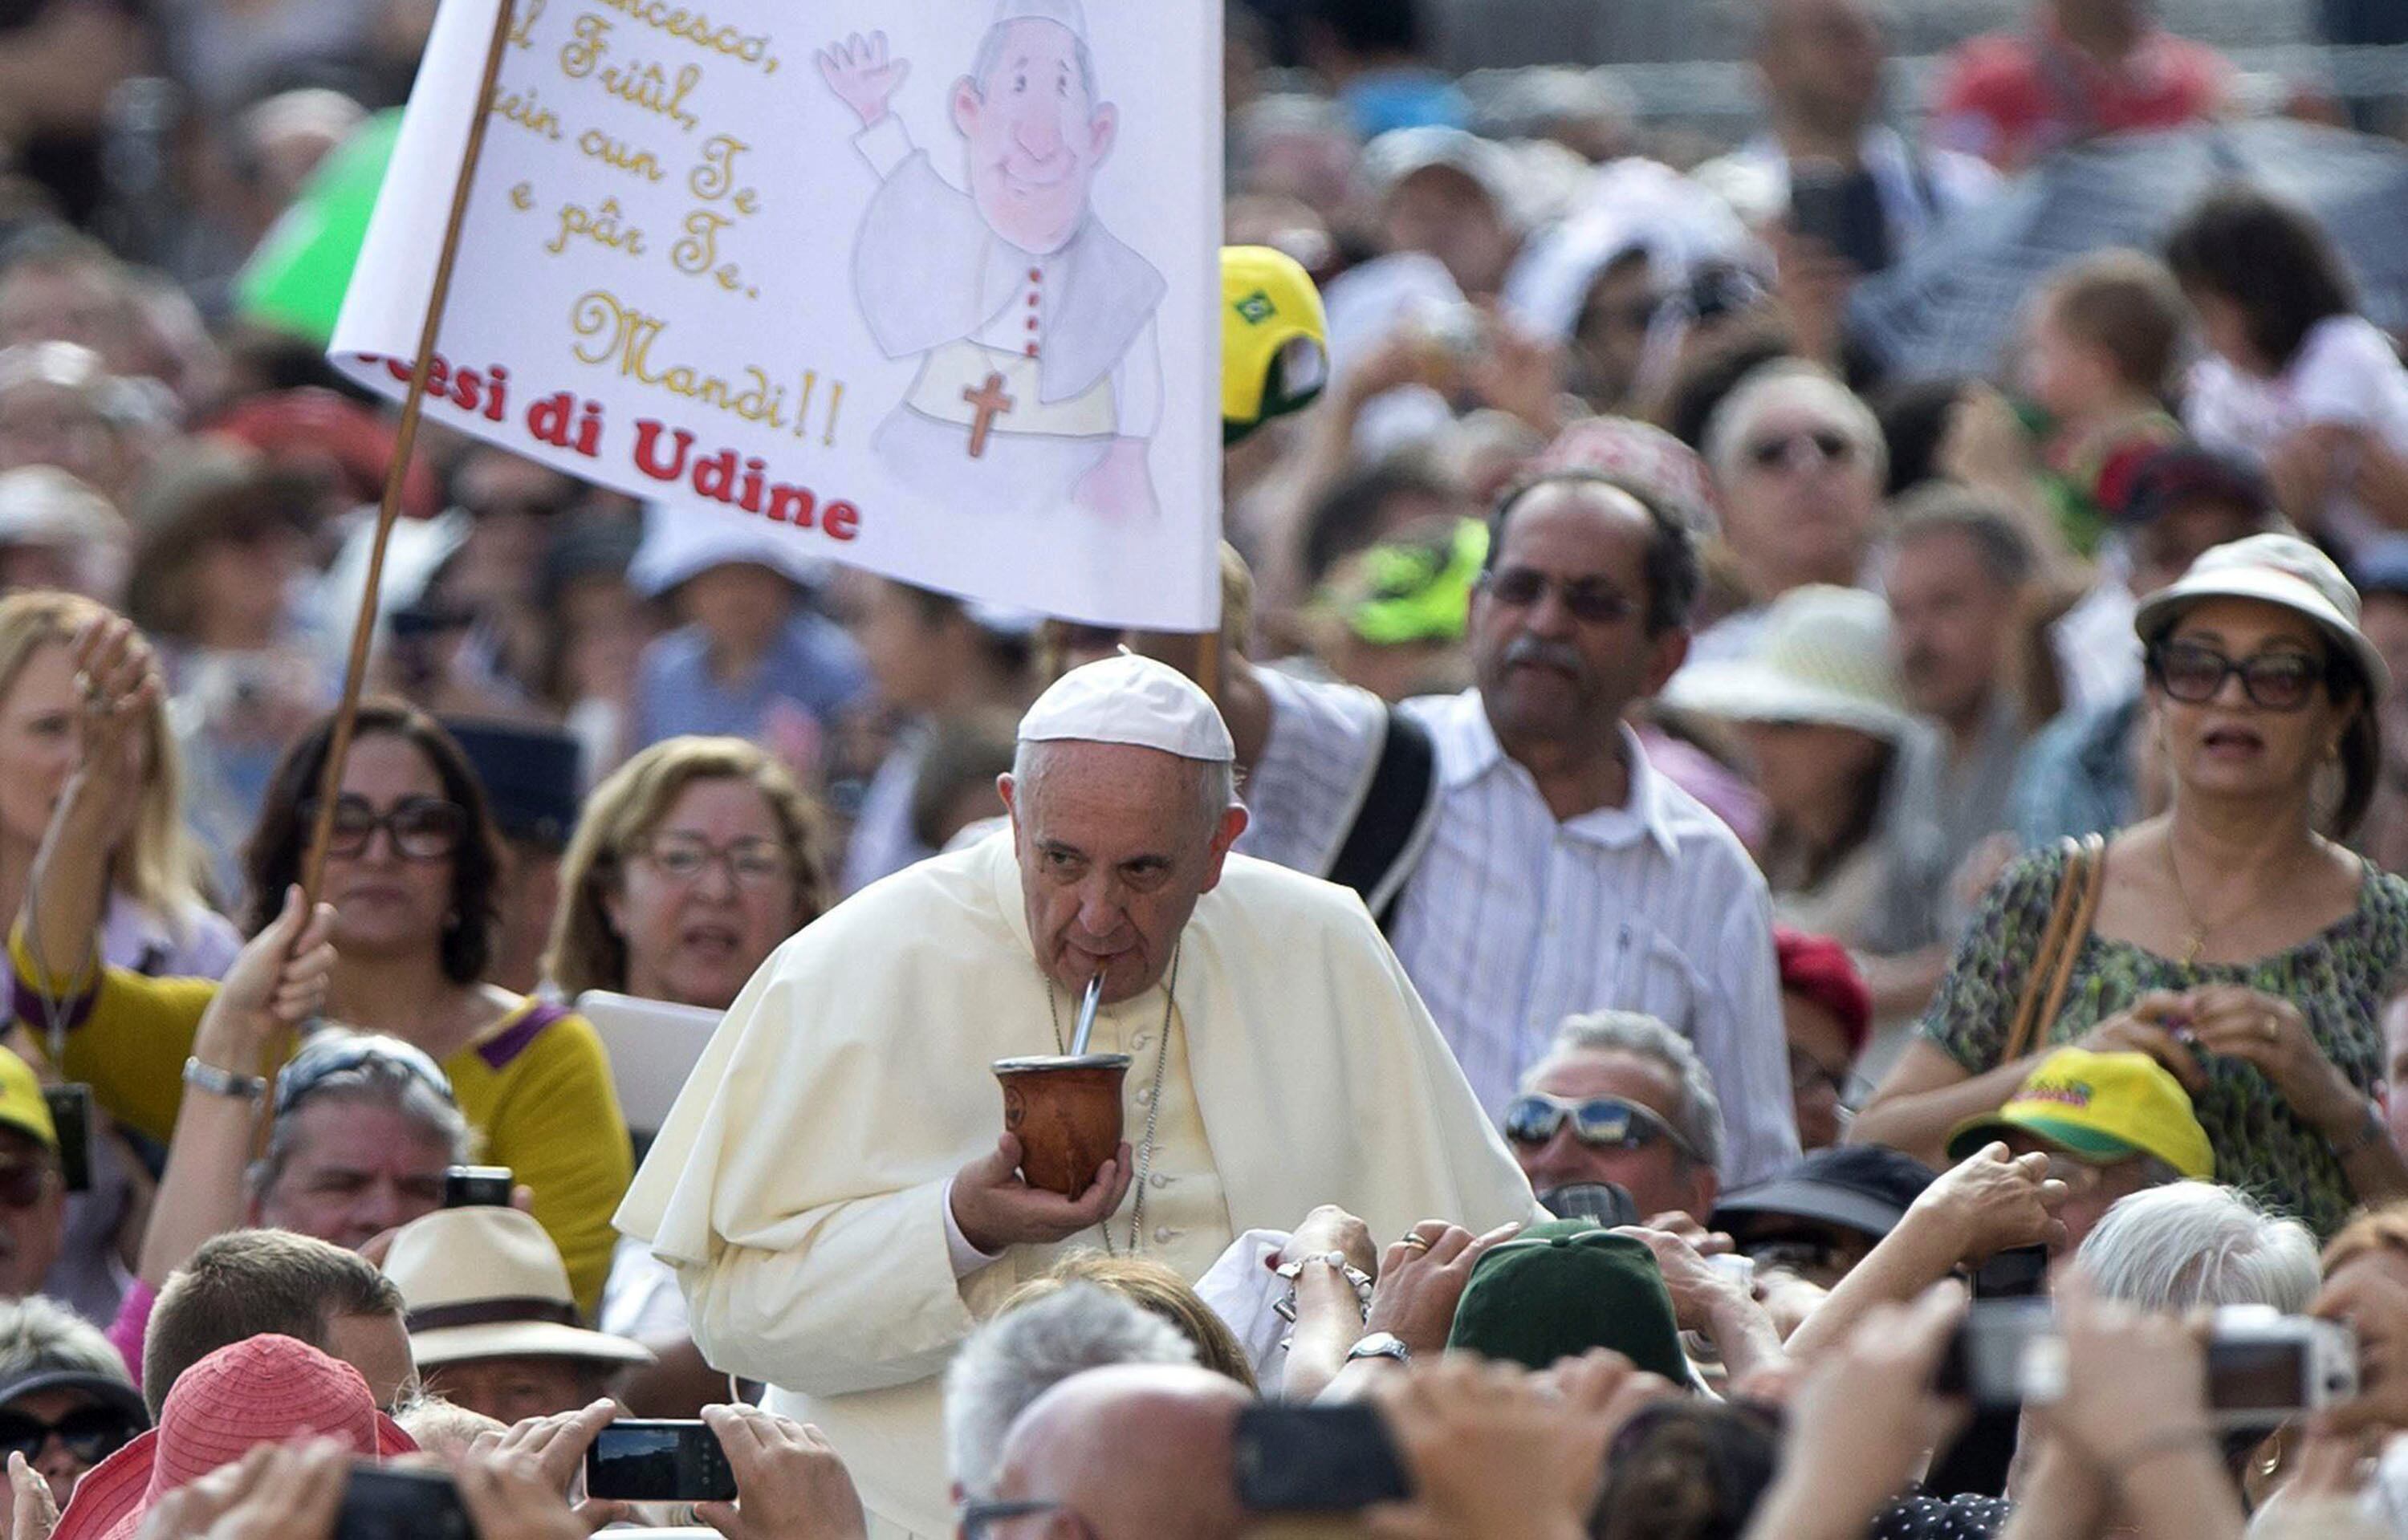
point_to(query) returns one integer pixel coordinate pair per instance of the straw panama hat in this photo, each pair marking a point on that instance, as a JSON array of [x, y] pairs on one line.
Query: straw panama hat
[[1823, 658], [489, 1283], [2276, 569]]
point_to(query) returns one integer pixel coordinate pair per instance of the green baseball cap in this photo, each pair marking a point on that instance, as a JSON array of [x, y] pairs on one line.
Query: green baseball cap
[[1561, 1288]]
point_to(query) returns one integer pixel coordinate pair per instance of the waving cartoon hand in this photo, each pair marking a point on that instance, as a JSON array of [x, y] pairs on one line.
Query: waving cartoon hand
[[861, 76]]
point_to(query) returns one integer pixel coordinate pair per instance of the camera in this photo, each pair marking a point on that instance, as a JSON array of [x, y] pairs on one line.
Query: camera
[[635, 1460], [1332, 1459], [477, 1187], [1606, 1203], [2264, 1367], [380, 1503]]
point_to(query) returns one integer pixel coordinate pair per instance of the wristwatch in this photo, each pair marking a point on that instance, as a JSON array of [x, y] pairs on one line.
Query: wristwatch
[[1381, 1345], [223, 1082]]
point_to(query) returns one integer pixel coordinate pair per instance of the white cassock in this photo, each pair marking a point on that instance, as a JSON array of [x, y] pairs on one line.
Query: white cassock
[[798, 1186], [1070, 335]]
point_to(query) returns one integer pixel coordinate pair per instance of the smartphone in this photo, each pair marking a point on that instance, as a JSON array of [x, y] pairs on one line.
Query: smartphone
[[1606, 1203], [1842, 209], [71, 1113], [2020, 1271], [383, 1503], [1984, 1363], [633, 1460], [1315, 1459], [477, 1187]]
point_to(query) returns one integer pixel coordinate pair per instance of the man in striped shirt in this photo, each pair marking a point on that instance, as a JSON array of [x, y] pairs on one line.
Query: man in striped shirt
[[1563, 873]]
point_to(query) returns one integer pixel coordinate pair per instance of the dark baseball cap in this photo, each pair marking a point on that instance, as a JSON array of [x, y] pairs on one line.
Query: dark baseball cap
[[1563, 1288], [1864, 1188]]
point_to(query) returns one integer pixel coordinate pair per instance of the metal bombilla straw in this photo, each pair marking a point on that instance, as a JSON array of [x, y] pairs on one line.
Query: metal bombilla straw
[[1086, 1027]]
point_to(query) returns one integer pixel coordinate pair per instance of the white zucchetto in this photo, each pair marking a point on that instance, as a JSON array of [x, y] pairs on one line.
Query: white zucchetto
[[1129, 699]]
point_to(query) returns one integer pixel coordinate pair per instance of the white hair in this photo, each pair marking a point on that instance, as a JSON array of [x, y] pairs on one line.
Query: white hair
[[1020, 1355], [39, 1335], [2194, 1243], [1217, 788], [1698, 1120], [1791, 382]]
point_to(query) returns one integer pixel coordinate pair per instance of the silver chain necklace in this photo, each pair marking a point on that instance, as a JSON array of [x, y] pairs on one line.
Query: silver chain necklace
[[1152, 1101]]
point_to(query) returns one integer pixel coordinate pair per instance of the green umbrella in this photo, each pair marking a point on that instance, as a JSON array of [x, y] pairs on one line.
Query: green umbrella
[[295, 281]]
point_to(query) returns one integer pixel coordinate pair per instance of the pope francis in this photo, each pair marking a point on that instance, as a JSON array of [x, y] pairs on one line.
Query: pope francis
[[830, 1186]]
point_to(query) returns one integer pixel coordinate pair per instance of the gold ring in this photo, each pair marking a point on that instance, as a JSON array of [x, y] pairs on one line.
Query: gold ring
[[1416, 1241]]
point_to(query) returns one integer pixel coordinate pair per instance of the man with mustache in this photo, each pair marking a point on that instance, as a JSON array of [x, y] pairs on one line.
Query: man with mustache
[[1039, 381], [1562, 872]]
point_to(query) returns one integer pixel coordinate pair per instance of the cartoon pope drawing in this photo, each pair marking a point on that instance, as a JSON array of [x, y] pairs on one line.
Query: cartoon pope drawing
[[1039, 381]]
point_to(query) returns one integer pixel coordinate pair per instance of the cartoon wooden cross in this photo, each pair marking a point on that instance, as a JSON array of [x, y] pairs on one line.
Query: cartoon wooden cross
[[990, 402]]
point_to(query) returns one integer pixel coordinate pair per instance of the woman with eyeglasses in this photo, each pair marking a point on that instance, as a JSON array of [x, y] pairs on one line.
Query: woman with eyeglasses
[[691, 863], [410, 872], [2236, 940]]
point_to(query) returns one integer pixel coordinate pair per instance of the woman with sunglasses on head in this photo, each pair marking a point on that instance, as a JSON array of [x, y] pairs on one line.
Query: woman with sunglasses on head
[[410, 873], [2234, 939]]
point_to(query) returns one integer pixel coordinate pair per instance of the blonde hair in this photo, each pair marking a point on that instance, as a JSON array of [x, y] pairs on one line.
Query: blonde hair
[[1155, 1288], [586, 952], [161, 865]]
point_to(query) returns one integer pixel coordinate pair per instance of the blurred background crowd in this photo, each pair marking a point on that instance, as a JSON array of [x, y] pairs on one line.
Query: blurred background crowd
[[1952, 333]]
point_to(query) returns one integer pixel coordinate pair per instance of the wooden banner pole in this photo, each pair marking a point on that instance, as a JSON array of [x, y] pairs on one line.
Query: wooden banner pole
[[414, 406]]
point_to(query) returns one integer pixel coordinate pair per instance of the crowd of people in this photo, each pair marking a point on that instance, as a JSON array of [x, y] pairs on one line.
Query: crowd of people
[[1717, 879]]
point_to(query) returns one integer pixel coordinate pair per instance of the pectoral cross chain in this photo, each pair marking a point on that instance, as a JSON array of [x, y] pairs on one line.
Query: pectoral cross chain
[[990, 402]]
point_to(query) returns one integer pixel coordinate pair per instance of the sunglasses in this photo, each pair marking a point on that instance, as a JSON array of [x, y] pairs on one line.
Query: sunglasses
[[1593, 601], [91, 1433], [314, 1066], [422, 828], [2276, 681], [1829, 444], [1601, 1123]]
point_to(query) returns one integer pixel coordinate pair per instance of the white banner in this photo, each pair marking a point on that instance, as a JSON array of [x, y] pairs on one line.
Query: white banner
[[935, 286]]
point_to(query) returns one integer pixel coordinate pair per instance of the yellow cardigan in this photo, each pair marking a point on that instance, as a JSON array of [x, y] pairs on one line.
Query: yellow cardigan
[[535, 1089]]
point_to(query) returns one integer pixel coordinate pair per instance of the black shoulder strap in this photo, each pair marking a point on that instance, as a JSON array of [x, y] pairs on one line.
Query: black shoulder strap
[[1393, 822]]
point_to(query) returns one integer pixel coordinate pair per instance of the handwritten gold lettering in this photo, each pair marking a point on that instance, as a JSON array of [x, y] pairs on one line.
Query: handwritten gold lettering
[[526, 109], [694, 27], [617, 335], [523, 24], [604, 226], [579, 55], [619, 155]]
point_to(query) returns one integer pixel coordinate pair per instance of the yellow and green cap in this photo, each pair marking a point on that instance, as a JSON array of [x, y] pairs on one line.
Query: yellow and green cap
[[2101, 1106], [1274, 338], [21, 1107]]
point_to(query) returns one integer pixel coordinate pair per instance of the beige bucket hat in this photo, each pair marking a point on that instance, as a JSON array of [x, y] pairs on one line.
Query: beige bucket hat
[[489, 1283]]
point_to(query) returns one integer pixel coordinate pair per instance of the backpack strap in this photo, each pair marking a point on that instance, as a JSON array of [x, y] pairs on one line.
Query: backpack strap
[[1393, 820]]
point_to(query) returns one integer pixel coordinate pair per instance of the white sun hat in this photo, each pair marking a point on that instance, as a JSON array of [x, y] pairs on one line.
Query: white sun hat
[[2275, 569], [1822, 657]]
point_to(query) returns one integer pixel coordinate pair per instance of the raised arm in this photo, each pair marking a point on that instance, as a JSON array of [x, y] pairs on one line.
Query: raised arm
[[69, 891], [276, 984]]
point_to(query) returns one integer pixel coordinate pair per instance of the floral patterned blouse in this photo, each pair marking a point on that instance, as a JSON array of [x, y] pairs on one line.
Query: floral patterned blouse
[[2337, 980]]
